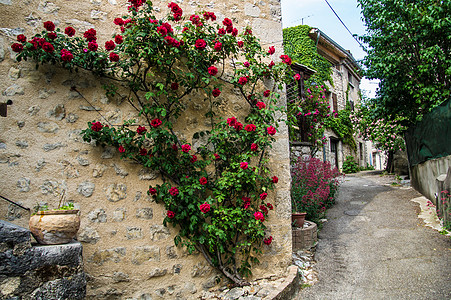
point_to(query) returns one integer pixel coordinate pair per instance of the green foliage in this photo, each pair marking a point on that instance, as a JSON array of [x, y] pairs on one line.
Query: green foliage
[[302, 49], [409, 51], [215, 194], [350, 166], [343, 127]]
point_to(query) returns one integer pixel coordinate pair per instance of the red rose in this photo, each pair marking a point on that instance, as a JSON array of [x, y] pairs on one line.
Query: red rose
[[246, 64], [212, 70], [200, 44], [97, 126], [250, 127], [286, 59], [17, 47], [170, 214], [21, 38], [93, 46], [242, 80], [263, 196], [193, 159], [118, 39], [51, 35], [271, 50], [216, 92], [271, 64], [70, 31], [297, 77], [47, 47], [141, 130], [204, 208], [90, 35], [203, 181], [229, 29], [227, 22], [152, 191], [240, 44], [218, 46], [261, 105], [234, 32], [174, 147], [268, 241], [217, 157], [173, 191], [119, 21], [271, 130], [66, 55], [254, 147], [186, 148], [264, 209], [174, 86], [162, 30], [238, 126], [155, 123], [167, 26], [221, 31], [143, 152], [121, 149], [110, 45], [259, 216], [244, 165], [269, 205], [114, 57], [266, 93], [275, 179], [248, 31], [49, 26], [231, 121]]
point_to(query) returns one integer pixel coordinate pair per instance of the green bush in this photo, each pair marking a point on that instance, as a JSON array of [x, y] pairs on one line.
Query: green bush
[[350, 166]]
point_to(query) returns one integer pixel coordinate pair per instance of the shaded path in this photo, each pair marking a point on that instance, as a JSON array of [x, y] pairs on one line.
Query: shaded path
[[374, 246]]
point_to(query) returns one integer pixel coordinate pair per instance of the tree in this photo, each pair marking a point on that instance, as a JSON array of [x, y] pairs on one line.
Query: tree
[[410, 52]]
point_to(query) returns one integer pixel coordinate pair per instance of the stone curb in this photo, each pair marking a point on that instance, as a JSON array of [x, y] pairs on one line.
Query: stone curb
[[288, 288]]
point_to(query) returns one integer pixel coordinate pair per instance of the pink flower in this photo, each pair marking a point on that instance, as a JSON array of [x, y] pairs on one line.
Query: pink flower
[[186, 148], [121, 149], [254, 147], [200, 44], [297, 77], [218, 46], [259, 216], [204, 208], [97, 126], [203, 180], [271, 130], [141, 130], [285, 59], [268, 241], [261, 105], [271, 50], [250, 127], [173, 191], [231, 121], [212, 70], [170, 214], [244, 165], [263, 196], [242, 80]]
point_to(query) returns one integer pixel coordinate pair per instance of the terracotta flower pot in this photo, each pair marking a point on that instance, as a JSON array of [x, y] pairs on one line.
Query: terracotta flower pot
[[298, 219], [54, 226]]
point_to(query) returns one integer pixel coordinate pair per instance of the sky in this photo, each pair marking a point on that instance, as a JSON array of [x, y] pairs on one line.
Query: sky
[[316, 13]]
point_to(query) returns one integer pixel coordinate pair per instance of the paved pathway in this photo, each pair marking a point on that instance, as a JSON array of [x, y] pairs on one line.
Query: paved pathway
[[374, 246]]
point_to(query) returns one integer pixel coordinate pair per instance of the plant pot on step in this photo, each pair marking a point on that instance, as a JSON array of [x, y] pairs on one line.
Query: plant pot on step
[[298, 219], [54, 227]]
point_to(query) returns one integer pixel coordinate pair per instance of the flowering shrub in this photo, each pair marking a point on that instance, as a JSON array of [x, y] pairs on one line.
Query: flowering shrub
[[445, 212], [314, 187], [350, 165], [216, 194]]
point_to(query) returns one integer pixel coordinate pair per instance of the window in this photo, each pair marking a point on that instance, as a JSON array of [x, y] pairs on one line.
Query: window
[[334, 102]]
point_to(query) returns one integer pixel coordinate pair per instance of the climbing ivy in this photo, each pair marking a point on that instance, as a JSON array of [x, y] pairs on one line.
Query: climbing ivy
[[343, 127], [302, 49]]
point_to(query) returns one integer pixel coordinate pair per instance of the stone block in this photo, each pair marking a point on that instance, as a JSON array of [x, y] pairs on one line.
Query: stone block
[[134, 233], [145, 213], [158, 232], [116, 192], [145, 253]]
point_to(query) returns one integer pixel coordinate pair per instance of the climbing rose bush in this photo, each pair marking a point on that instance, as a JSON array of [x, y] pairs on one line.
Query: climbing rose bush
[[215, 193]]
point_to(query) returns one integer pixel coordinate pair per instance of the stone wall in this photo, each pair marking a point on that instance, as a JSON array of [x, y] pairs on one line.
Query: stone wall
[[38, 272], [128, 253]]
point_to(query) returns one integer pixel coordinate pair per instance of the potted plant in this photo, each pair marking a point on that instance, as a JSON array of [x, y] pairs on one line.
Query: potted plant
[[56, 226]]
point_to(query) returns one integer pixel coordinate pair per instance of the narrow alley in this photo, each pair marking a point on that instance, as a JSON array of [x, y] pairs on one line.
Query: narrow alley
[[373, 246]]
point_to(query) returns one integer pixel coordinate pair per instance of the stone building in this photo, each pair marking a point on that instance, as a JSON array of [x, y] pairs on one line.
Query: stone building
[[128, 253]]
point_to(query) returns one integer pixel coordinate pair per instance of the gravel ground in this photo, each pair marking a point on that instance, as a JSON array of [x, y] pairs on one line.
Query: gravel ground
[[373, 246]]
